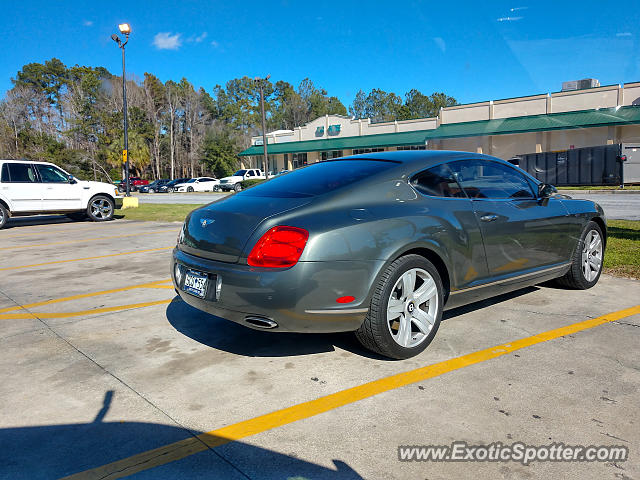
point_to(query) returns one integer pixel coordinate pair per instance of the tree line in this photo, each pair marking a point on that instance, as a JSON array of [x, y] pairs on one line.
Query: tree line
[[73, 117]]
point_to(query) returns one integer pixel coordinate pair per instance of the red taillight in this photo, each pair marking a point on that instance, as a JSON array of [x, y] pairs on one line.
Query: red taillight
[[280, 247]]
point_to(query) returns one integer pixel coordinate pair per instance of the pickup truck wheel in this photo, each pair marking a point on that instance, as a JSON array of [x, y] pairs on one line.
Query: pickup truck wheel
[[4, 216], [238, 187], [100, 208]]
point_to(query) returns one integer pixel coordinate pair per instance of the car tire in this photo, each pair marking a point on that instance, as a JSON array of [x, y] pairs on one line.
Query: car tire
[[189, 189], [587, 260], [151, 190], [237, 187], [100, 208], [216, 188], [4, 216], [413, 329]]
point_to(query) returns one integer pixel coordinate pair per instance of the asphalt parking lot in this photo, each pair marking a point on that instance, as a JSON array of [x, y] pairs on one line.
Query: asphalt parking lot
[[106, 373]]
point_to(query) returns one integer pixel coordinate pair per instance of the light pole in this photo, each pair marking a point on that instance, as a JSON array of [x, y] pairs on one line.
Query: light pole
[[126, 30], [265, 160]]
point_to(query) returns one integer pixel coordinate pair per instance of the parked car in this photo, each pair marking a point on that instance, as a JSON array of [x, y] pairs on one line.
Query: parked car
[[134, 184], [234, 181], [382, 244], [34, 188], [170, 186], [199, 184], [154, 186]]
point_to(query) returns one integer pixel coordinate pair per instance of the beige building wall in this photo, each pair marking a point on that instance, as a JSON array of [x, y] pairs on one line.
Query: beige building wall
[[465, 113], [631, 94], [601, 97], [629, 134], [517, 107]]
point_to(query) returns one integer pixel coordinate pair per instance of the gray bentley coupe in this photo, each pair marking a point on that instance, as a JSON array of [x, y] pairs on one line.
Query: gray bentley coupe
[[380, 244]]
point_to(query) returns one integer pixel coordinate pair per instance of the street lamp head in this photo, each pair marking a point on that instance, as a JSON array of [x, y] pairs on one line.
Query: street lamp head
[[124, 28], [116, 39]]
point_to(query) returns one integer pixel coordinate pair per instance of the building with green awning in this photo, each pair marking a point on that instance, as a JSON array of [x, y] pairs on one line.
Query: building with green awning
[[503, 128]]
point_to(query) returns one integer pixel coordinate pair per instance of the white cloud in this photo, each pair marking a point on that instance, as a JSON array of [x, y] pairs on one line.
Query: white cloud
[[87, 23], [624, 34], [201, 37], [509, 19], [215, 44], [440, 43], [515, 9], [167, 41]]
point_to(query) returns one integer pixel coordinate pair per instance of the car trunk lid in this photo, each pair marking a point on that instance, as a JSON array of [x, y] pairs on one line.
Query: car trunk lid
[[220, 231]]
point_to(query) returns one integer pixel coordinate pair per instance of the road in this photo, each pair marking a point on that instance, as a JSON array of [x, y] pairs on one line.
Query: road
[[616, 206]]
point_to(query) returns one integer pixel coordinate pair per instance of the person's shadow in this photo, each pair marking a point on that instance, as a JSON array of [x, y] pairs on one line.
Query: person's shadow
[[55, 451]]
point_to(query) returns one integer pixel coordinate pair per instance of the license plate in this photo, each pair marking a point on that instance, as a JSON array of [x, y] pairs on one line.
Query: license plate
[[195, 283]]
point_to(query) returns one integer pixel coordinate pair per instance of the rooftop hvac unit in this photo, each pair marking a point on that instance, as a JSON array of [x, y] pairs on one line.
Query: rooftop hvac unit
[[580, 84]]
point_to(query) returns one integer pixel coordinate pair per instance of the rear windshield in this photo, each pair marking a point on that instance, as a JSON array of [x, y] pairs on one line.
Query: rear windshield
[[319, 178]]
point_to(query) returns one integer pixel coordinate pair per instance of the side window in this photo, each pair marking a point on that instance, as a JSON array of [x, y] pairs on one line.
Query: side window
[[438, 182], [22, 173], [486, 179], [51, 174], [4, 176], [250, 174]]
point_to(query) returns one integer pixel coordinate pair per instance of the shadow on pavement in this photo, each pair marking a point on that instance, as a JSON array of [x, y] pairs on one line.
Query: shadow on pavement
[[55, 451], [15, 222], [230, 337]]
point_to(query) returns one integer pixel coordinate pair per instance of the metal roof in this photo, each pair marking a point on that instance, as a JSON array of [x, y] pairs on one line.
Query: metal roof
[[502, 126]]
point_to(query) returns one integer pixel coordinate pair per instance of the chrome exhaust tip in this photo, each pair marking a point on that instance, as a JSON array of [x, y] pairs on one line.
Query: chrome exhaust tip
[[260, 322]]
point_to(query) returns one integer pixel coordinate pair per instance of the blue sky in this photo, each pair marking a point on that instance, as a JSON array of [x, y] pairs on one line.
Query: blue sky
[[472, 50]]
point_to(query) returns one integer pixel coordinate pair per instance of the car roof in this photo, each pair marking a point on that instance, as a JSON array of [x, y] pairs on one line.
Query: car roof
[[26, 161]]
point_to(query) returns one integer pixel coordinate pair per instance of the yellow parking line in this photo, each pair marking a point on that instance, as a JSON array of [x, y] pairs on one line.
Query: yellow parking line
[[85, 258], [65, 242], [21, 316], [184, 448], [82, 295]]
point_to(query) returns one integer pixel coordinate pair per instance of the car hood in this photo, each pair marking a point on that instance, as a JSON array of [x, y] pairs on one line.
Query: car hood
[[107, 187], [220, 230]]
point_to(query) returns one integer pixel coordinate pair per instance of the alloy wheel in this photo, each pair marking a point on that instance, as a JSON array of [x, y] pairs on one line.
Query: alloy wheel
[[412, 308], [101, 208], [591, 256]]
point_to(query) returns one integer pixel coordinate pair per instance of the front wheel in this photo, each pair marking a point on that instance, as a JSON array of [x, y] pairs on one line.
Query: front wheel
[[4, 216], [237, 187], [100, 208], [586, 263], [405, 310], [190, 189]]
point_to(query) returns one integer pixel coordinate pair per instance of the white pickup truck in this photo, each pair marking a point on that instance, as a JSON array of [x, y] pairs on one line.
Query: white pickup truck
[[233, 182], [34, 188]]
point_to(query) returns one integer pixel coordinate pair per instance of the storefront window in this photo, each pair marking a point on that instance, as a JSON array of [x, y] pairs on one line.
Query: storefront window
[[367, 150], [299, 160], [331, 154]]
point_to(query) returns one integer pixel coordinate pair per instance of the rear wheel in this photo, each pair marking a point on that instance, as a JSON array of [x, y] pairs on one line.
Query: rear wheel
[[151, 190], [4, 216], [586, 264], [100, 208], [405, 310]]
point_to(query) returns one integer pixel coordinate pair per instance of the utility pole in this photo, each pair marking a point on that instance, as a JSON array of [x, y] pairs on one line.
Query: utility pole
[[265, 160], [126, 30]]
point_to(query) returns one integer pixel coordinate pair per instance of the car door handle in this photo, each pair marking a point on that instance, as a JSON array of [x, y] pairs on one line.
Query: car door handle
[[488, 218]]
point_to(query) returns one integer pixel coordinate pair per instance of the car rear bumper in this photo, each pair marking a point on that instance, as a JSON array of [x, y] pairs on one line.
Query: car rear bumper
[[299, 299]]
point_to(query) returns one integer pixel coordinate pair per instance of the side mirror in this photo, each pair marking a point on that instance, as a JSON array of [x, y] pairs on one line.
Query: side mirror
[[72, 180], [545, 190]]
